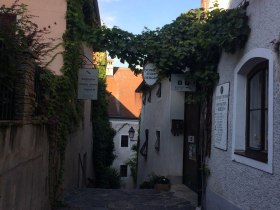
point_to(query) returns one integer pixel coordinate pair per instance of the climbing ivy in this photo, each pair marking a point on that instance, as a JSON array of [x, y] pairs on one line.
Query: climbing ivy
[[103, 133], [64, 111], [19, 35], [194, 40]]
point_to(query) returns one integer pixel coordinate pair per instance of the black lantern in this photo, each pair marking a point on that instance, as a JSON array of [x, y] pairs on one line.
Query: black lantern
[[131, 132]]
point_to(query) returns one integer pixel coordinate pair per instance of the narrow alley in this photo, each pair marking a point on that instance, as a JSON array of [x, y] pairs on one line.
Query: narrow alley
[[178, 198]]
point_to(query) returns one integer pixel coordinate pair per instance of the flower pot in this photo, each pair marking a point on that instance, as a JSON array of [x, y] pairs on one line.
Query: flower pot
[[162, 187]]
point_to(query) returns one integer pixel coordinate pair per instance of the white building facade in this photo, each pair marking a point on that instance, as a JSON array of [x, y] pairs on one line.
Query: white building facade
[[160, 151], [245, 173], [124, 110], [123, 149]]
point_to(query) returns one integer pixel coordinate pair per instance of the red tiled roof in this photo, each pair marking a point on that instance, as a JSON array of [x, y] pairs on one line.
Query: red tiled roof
[[124, 102]]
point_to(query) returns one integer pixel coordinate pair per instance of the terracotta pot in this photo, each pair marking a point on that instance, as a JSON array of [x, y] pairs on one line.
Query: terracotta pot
[[162, 187]]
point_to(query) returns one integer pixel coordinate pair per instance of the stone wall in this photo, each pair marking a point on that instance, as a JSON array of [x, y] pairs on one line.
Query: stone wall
[[23, 167], [24, 148]]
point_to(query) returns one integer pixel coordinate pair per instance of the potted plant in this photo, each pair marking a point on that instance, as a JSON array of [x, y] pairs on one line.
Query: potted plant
[[162, 183]]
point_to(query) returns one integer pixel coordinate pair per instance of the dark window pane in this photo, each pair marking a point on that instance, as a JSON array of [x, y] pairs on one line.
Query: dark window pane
[[257, 120], [159, 91], [123, 170], [157, 143], [124, 141], [255, 130], [255, 91]]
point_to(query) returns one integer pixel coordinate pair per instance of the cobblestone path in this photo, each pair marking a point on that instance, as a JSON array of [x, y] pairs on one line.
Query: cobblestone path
[[136, 199]]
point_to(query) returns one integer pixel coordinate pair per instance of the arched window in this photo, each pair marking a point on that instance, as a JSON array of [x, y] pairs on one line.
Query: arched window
[[252, 126], [256, 120]]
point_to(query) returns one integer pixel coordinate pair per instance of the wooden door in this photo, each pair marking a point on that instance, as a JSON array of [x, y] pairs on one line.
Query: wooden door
[[191, 162]]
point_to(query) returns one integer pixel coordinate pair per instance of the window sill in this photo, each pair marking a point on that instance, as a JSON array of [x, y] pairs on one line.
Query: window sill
[[255, 155], [240, 157]]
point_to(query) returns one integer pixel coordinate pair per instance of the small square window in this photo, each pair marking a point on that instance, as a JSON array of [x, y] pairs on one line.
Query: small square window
[[124, 141], [123, 170]]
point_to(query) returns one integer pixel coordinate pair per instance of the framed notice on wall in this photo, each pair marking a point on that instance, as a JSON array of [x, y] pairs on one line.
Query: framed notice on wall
[[221, 116], [88, 84]]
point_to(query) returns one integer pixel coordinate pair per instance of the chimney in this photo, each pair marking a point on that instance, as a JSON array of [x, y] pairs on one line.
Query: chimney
[[205, 4], [109, 67]]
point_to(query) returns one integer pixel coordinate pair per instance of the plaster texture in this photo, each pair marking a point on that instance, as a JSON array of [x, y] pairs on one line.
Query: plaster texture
[[23, 167], [236, 184], [47, 14], [122, 126], [157, 115]]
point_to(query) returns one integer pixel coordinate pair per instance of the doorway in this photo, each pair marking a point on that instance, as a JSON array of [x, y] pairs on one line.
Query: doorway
[[191, 159]]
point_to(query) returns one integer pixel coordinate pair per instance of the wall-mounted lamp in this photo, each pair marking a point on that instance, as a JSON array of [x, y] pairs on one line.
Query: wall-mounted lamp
[[131, 132]]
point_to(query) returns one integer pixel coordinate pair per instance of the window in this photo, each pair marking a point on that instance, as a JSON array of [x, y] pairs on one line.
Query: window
[[159, 90], [124, 141], [157, 143], [144, 148], [123, 170], [149, 99], [256, 122], [144, 97], [252, 131]]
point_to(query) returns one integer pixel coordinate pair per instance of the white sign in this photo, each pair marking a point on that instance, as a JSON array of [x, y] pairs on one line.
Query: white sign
[[88, 84], [221, 116], [179, 83], [150, 75]]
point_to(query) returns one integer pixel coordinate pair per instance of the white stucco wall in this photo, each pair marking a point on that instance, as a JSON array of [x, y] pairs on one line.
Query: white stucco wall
[[122, 126], [157, 116], [247, 187]]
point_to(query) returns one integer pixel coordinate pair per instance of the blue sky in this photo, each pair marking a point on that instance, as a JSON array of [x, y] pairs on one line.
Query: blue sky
[[134, 15]]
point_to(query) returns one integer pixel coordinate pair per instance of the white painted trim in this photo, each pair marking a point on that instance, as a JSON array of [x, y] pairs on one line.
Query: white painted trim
[[244, 66]]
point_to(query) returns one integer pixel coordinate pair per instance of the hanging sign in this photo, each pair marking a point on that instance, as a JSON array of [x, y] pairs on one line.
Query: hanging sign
[[88, 84], [150, 75], [221, 116], [179, 83]]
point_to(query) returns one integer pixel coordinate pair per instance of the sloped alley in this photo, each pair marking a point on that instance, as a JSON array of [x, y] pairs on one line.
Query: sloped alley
[[178, 198]]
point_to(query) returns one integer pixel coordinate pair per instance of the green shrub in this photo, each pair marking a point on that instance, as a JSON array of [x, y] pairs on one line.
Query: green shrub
[[154, 179], [109, 179], [147, 185]]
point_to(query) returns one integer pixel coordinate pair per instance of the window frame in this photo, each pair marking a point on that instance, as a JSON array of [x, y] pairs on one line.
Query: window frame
[[251, 152], [158, 93], [144, 148], [157, 143], [241, 71], [121, 145]]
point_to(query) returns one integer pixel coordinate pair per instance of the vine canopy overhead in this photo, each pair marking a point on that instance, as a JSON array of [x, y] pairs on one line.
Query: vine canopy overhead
[[194, 40]]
